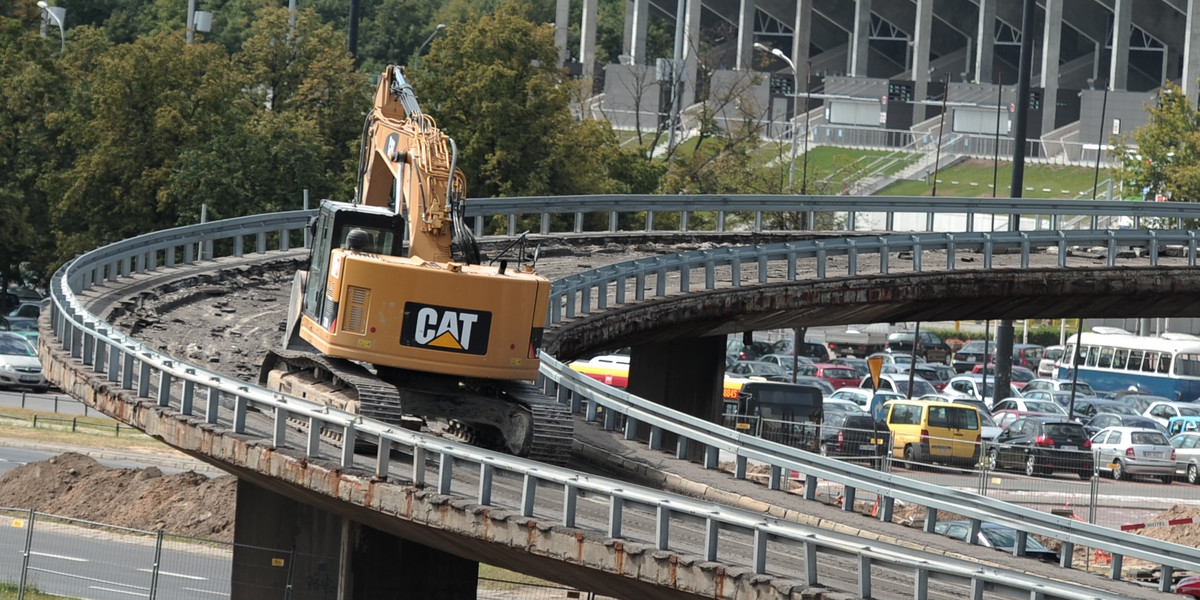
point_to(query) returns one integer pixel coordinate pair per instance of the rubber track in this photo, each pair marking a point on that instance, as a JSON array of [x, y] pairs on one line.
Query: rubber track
[[553, 425], [378, 399]]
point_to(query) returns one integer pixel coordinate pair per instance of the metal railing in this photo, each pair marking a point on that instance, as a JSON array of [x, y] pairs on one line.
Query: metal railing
[[220, 399]]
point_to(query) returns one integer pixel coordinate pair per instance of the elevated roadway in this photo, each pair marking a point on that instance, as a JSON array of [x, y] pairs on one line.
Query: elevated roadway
[[277, 470]]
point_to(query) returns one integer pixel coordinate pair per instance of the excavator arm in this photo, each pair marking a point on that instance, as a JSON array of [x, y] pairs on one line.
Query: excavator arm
[[408, 165]]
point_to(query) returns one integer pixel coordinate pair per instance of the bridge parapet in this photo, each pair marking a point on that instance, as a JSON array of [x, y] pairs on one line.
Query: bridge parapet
[[119, 374]]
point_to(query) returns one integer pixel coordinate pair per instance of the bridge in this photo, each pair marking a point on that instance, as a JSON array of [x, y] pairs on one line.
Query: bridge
[[420, 494]]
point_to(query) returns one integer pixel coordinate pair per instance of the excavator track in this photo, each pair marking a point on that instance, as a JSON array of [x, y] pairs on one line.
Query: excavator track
[[550, 425]]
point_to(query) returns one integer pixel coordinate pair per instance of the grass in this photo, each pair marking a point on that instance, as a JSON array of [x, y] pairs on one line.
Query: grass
[[973, 179], [56, 428], [9, 591], [495, 578]]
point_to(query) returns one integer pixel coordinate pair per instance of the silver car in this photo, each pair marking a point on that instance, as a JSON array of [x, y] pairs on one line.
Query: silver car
[[1187, 456], [1124, 452]]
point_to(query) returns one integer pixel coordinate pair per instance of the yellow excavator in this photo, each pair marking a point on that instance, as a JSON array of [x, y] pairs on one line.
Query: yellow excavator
[[398, 319]]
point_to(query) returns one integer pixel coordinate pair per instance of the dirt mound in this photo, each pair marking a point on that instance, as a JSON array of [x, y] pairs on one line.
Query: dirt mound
[[75, 485]]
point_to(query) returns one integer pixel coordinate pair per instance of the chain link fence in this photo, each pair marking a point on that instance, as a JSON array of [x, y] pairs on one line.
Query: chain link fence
[[46, 556]]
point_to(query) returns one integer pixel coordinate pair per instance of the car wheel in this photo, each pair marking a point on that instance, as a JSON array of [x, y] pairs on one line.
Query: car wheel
[[1167, 479], [40, 390], [993, 459], [1031, 466], [1193, 475], [1118, 471], [1085, 474], [910, 458]]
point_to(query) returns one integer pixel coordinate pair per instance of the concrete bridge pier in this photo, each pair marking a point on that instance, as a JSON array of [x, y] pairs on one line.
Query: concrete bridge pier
[[334, 557], [686, 375]]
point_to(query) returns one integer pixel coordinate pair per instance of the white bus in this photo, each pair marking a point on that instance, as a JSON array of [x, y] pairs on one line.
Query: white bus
[[1114, 359]]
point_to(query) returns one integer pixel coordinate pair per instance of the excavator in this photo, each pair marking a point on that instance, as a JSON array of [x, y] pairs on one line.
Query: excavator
[[397, 317]]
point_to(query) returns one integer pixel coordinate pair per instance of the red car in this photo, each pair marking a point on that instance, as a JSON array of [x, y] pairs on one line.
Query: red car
[[838, 376], [1020, 375]]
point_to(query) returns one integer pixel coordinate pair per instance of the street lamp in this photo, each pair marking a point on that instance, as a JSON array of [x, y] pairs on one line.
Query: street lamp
[[62, 37], [795, 86], [421, 48]]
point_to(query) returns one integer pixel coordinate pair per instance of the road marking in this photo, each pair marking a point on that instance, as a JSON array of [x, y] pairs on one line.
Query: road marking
[[213, 592], [170, 574], [60, 557]]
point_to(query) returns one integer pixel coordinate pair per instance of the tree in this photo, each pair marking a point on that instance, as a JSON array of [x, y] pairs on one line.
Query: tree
[[1162, 157], [492, 84], [33, 93]]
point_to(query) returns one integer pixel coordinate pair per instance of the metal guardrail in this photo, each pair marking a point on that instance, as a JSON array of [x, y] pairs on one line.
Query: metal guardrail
[[1051, 214], [131, 365]]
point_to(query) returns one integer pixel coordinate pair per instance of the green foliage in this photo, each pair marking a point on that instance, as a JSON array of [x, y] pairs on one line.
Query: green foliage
[[1166, 159]]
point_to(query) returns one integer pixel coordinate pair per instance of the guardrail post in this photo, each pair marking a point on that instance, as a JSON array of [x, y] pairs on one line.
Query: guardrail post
[[285, 243], [810, 487], [486, 474], [101, 351], [570, 503], [774, 477], [260, 243], [1164, 578], [383, 453], [164, 385], [89, 348], [930, 519], [631, 426], [241, 405], [616, 506], [419, 456], [312, 442], [279, 427], [1066, 555], [239, 246], [212, 406], [864, 576], [1114, 572], [681, 447], [887, 508], [528, 495], [848, 494], [349, 435], [114, 362], [683, 220], [143, 378], [445, 473], [712, 532], [921, 584], [810, 563], [649, 220], [189, 392], [711, 454], [578, 223], [739, 467], [656, 435], [662, 527]]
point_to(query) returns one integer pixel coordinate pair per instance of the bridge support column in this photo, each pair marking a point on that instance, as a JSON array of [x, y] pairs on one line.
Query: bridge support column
[[686, 375], [285, 544]]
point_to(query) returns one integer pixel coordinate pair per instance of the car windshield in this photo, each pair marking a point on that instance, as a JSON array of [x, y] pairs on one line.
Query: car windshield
[[16, 347]]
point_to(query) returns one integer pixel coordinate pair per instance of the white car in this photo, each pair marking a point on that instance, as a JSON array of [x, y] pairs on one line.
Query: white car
[[19, 364], [1061, 385], [1045, 366], [1163, 411]]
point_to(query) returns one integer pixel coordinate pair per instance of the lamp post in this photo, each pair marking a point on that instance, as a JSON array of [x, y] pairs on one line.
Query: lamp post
[[62, 37], [795, 86], [421, 48]]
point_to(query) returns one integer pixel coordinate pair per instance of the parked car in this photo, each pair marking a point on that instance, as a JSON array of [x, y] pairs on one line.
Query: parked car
[[1043, 445], [842, 405], [1025, 355], [1004, 418], [1124, 452], [1018, 376], [853, 435], [1059, 397], [1140, 402], [862, 396], [1187, 455], [1049, 358], [858, 364], [825, 387], [751, 351], [894, 382], [926, 432], [1029, 405], [975, 386], [998, 537], [990, 428], [970, 354], [757, 368], [813, 350], [19, 364], [1105, 420], [838, 376], [893, 359], [929, 346], [1163, 411], [786, 360], [1087, 408], [1045, 383], [923, 370]]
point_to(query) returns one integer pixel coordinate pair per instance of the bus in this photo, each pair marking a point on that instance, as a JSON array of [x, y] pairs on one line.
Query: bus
[[1114, 359], [787, 413]]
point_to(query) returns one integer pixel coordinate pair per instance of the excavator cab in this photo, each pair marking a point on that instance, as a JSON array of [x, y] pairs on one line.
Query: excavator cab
[[342, 225]]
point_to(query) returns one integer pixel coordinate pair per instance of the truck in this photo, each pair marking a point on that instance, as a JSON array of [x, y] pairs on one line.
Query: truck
[[400, 317], [856, 340]]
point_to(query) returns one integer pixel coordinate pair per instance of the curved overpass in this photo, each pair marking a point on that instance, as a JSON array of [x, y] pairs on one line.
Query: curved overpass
[[92, 346]]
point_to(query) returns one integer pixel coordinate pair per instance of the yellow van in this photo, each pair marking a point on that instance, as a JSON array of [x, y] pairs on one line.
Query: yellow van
[[929, 432]]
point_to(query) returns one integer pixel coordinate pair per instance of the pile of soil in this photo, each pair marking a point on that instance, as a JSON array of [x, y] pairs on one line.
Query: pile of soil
[[77, 486]]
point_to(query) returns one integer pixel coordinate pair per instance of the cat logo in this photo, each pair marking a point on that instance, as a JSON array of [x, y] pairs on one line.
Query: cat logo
[[445, 328]]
